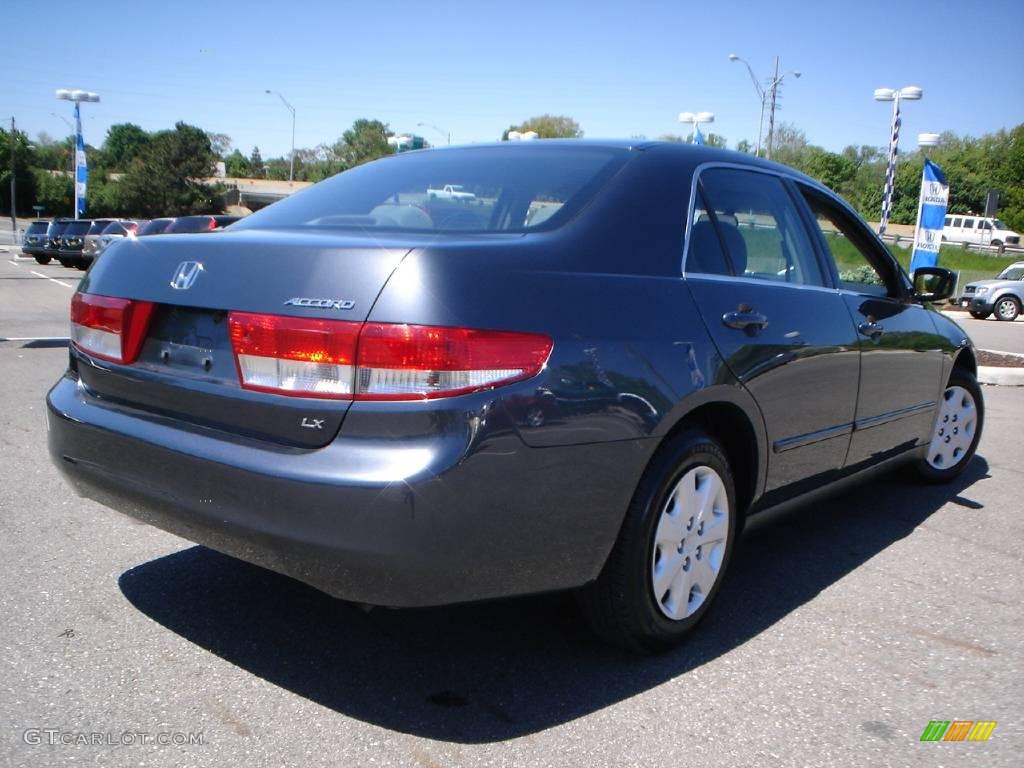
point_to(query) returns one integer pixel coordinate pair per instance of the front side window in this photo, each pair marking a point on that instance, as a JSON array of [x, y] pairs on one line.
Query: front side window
[[758, 226], [861, 267]]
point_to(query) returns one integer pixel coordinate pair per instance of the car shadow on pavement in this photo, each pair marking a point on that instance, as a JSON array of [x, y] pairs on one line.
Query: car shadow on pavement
[[495, 671]]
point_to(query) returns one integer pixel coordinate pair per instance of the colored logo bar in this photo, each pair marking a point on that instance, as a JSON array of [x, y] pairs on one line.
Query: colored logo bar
[[958, 730]]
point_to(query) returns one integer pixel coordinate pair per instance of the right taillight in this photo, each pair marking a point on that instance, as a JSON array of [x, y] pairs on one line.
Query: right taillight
[[378, 361]]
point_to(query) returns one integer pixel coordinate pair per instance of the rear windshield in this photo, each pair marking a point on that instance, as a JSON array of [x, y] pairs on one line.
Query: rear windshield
[[78, 228], [153, 227], [37, 227], [191, 224], [476, 189]]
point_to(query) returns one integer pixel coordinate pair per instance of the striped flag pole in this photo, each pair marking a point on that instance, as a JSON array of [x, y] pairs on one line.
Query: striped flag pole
[[81, 169], [890, 171]]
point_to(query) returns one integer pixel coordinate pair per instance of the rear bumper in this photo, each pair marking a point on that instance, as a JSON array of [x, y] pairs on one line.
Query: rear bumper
[[470, 513]]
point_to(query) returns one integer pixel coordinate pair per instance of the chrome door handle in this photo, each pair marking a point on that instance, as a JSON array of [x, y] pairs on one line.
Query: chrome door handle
[[871, 329]]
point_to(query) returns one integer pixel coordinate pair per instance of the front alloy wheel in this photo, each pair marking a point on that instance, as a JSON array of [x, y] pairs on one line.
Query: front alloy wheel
[[1007, 308]]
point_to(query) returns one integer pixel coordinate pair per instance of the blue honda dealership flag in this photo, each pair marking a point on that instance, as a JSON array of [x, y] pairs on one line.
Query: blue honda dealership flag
[[81, 170], [698, 137], [931, 215]]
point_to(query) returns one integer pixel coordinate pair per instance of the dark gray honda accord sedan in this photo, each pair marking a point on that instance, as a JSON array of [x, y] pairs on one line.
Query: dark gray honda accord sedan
[[584, 371]]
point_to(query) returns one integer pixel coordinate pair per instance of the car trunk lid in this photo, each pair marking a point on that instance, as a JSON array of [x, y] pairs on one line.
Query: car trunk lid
[[186, 367]]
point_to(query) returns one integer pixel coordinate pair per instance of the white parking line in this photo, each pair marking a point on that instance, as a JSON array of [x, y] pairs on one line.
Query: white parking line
[[51, 279]]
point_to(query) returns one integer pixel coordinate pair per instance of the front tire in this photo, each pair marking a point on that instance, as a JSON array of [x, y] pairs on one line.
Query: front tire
[[1007, 308], [42, 259], [957, 429], [980, 315], [673, 550]]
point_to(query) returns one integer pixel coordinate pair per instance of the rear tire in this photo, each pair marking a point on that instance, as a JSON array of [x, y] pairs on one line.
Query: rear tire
[[980, 315], [66, 263], [957, 429], [673, 550], [42, 259], [1007, 308]]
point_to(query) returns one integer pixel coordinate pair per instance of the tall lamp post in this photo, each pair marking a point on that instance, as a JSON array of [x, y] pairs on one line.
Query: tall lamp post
[[291, 164], [81, 170], [14, 187], [768, 96], [446, 134], [910, 93], [696, 119]]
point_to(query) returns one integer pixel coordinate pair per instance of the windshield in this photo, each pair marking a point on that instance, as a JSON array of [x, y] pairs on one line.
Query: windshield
[[37, 227], [998, 224], [155, 226], [473, 189], [1012, 273]]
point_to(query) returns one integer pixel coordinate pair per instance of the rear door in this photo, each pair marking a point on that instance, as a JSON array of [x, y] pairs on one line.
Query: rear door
[[901, 357], [782, 330]]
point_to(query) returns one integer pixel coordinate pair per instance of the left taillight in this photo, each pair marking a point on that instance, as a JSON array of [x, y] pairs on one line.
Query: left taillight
[[109, 328]]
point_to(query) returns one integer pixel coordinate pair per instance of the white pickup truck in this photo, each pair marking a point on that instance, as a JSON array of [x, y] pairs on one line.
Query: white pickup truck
[[450, 192]]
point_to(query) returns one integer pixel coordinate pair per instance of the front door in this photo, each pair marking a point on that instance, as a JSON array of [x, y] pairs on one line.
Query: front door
[[783, 332], [901, 357]]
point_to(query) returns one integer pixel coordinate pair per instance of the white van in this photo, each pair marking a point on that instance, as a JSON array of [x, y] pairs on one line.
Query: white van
[[978, 230]]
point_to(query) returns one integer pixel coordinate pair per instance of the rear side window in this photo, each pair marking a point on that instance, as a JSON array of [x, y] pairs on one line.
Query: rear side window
[[476, 189], [759, 226], [968, 223]]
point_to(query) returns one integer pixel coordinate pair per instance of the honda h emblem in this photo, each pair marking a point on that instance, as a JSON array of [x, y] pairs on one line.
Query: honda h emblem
[[186, 274]]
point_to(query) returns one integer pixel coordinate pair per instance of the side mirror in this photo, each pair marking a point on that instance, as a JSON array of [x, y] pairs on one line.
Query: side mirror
[[933, 283]]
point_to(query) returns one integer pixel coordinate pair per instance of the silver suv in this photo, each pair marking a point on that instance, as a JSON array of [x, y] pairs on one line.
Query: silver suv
[[1003, 296]]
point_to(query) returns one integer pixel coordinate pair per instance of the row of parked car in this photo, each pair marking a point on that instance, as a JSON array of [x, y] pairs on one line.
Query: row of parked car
[[76, 242]]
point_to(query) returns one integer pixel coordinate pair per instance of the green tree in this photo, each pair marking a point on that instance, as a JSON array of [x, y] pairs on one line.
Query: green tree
[[256, 164], [548, 127], [366, 140], [124, 142], [22, 171], [165, 179], [236, 166]]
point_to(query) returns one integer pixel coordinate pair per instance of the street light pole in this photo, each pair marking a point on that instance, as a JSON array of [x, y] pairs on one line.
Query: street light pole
[[14, 217], [291, 163], [769, 95], [760, 96], [696, 120], [81, 170], [910, 93]]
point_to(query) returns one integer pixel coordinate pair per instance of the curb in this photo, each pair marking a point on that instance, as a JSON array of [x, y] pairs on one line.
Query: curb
[[1005, 377]]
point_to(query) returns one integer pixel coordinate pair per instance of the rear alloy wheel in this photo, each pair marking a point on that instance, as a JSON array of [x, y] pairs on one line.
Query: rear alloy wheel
[[1007, 308], [957, 429], [980, 315], [42, 259], [672, 552]]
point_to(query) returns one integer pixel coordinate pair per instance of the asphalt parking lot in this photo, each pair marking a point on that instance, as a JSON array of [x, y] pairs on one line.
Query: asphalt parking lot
[[844, 629]]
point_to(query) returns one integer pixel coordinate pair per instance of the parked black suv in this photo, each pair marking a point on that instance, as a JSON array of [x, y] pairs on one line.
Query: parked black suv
[[35, 241], [51, 247], [69, 251]]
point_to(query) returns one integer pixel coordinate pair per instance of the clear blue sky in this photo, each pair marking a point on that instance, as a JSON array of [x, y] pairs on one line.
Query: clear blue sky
[[475, 67]]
